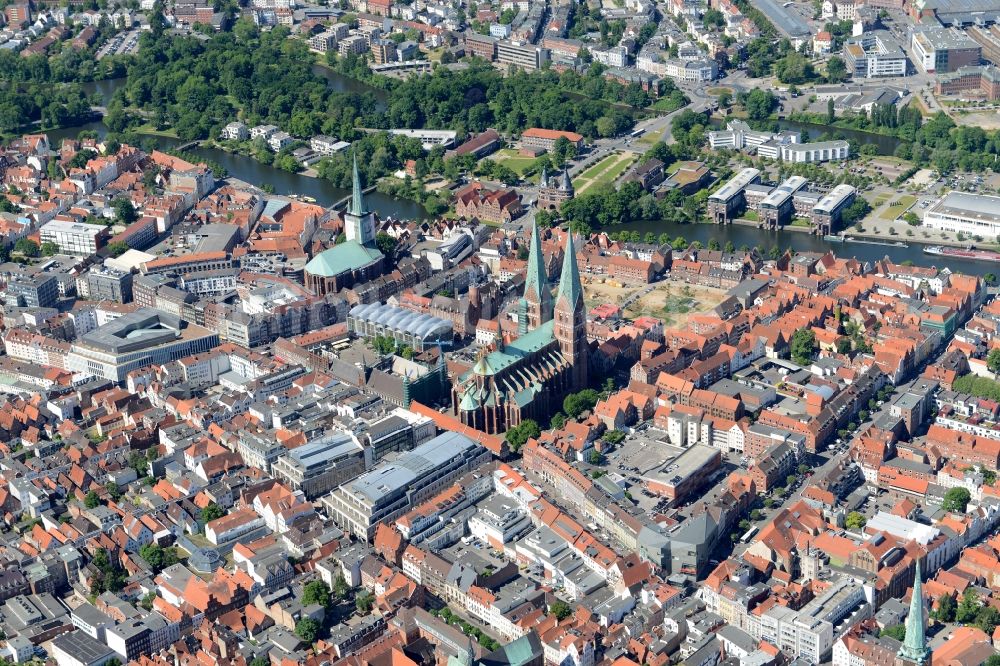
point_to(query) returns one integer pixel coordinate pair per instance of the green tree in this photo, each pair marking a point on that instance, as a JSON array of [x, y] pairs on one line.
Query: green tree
[[307, 629], [803, 345], [836, 70], [116, 249], [557, 421], [364, 602], [26, 247], [340, 587], [968, 607], [157, 557], [560, 609], [49, 248], [92, 500], [759, 104], [385, 243], [577, 403], [946, 609], [613, 437], [316, 592], [896, 631], [855, 520], [124, 210], [956, 499], [993, 360], [212, 511], [521, 433]]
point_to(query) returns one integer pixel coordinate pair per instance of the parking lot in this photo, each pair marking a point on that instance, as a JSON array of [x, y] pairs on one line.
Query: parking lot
[[121, 44]]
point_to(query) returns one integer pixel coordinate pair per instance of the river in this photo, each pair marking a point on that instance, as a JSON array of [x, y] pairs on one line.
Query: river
[[251, 171], [803, 242]]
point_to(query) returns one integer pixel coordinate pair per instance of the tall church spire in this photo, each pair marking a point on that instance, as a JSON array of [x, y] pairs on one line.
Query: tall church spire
[[569, 280], [537, 293], [357, 196], [359, 222], [570, 320], [914, 649]]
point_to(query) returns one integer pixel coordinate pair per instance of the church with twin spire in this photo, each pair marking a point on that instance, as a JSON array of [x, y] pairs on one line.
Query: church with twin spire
[[528, 377]]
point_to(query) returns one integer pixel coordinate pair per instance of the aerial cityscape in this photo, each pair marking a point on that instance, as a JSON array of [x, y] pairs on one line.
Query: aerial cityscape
[[500, 333]]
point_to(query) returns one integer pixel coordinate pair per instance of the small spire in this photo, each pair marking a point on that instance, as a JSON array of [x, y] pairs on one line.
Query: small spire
[[536, 284]]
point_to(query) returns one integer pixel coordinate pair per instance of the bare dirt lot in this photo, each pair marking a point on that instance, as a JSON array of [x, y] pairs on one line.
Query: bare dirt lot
[[672, 302]]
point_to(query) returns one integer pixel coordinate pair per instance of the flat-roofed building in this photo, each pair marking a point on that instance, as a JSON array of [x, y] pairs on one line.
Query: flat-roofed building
[[78, 649], [134, 340], [679, 478], [874, 54], [983, 80], [972, 214], [942, 50], [75, 238], [827, 212], [389, 491], [525, 56], [776, 208], [321, 465], [728, 202]]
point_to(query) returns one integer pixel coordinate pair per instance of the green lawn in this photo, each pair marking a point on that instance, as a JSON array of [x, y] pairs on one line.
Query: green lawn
[[604, 172], [614, 172], [599, 167], [510, 159], [897, 207], [881, 198], [801, 222], [751, 215]]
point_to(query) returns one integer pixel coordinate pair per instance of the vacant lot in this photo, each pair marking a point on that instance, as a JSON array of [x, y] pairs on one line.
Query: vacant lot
[[672, 302]]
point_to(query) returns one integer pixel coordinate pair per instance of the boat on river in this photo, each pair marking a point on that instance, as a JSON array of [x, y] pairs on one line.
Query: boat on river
[[833, 238], [865, 241], [963, 253]]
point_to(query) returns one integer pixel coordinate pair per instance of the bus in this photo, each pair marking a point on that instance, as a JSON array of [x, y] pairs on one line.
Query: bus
[[749, 535], [637, 133]]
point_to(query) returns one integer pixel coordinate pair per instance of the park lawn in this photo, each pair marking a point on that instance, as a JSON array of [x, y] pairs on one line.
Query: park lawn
[[898, 207], [881, 198], [611, 168], [801, 222], [665, 105], [510, 159], [751, 215], [652, 137], [592, 172]]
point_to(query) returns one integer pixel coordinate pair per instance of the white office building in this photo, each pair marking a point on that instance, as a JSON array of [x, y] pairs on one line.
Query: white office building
[[972, 214]]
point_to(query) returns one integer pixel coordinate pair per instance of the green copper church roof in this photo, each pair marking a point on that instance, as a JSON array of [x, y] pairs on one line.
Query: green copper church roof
[[914, 647], [357, 197], [569, 280], [526, 345], [348, 256]]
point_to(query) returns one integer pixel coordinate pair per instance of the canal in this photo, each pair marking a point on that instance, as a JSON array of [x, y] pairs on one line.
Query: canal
[[254, 172]]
